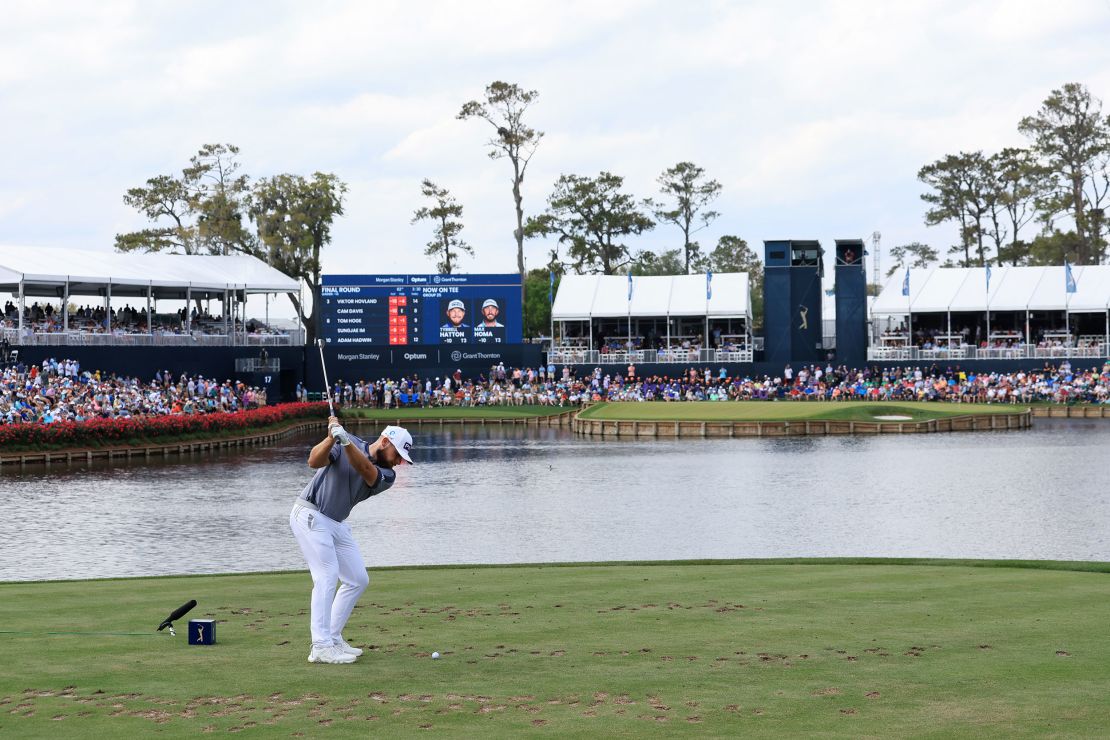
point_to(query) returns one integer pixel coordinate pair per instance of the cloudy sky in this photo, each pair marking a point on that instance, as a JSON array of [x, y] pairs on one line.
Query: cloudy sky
[[814, 116]]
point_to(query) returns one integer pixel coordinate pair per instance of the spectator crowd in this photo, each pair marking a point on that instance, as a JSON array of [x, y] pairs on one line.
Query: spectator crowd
[[548, 387], [58, 390], [46, 319]]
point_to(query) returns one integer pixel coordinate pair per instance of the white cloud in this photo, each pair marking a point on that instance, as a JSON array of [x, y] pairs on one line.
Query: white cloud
[[815, 117]]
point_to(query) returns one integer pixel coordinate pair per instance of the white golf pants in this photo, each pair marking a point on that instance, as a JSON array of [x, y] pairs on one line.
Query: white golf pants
[[331, 552]]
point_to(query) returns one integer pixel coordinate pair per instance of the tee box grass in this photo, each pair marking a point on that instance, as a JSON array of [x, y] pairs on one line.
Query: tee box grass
[[802, 649]]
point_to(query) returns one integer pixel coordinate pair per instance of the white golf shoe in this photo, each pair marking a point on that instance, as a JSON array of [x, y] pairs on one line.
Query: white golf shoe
[[342, 646], [329, 654]]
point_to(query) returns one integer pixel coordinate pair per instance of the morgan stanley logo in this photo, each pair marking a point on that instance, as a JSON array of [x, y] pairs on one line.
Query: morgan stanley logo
[[456, 356]]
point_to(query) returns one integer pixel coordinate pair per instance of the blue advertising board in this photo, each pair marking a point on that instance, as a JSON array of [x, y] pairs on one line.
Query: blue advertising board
[[420, 310]]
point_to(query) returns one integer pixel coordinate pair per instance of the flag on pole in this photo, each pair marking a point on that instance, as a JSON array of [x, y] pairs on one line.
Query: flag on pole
[[709, 286], [551, 287], [630, 287], [1069, 279], [906, 283], [988, 279]]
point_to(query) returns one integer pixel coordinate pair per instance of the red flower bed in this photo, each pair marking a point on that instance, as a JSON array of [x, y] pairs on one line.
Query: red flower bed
[[108, 432]]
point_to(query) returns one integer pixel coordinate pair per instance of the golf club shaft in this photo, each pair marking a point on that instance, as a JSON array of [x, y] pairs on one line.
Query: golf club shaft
[[327, 385]]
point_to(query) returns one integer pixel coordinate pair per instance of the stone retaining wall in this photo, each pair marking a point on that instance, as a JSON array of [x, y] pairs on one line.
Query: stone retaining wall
[[653, 429], [1072, 412], [147, 452]]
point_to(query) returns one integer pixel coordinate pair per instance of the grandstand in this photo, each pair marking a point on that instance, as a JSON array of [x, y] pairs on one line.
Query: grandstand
[[602, 319], [1016, 313], [121, 294]]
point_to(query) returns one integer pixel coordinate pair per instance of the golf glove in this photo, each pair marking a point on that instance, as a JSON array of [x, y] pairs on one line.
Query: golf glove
[[339, 434]]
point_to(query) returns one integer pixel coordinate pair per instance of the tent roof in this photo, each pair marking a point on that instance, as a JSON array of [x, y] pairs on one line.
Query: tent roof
[[1092, 288], [956, 289], [574, 297], [611, 298], [649, 297], [688, 295], [44, 268], [581, 297], [731, 295]]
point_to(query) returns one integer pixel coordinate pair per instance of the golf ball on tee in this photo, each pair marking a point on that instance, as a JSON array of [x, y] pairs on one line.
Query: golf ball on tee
[[435, 656]]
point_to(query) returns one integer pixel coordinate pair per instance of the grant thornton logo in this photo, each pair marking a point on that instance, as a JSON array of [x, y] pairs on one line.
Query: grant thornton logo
[[436, 279], [456, 356]]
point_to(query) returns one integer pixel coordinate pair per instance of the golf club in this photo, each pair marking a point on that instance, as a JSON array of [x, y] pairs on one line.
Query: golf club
[[177, 614], [327, 385]]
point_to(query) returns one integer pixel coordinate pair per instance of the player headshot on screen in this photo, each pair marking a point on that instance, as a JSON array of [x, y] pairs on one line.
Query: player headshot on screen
[[490, 312], [456, 313]]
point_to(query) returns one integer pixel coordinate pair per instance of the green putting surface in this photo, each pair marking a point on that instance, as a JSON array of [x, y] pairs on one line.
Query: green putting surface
[[787, 410], [792, 650]]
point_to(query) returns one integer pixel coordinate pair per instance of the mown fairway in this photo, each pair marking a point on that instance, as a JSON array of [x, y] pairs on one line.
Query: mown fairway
[[787, 410], [719, 649]]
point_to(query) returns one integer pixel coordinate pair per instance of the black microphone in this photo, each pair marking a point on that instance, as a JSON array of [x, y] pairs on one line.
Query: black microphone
[[177, 614]]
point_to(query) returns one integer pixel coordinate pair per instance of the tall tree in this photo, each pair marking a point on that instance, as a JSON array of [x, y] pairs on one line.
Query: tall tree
[[446, 242], [689, 194], [1098, 196], [667, 262], [200, 212], [961, 193], [1071, 135], [537, 307], [1054, 247], [914, 255], [732, 254], [166, 203], [294, 215], [503, 107], [1020, 182], [591, 217]]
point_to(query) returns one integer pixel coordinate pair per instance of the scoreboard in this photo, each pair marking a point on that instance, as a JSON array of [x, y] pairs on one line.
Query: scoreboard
[[420, 310]]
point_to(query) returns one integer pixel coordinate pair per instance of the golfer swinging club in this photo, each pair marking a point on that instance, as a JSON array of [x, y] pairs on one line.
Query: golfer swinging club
[[349, 470]]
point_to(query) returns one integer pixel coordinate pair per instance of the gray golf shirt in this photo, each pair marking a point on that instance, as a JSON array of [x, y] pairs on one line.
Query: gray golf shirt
[[337, 487]]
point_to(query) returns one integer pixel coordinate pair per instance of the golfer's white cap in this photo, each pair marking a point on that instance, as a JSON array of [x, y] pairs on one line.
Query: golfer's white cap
[[400, 438], [490, 302], [456, 304]]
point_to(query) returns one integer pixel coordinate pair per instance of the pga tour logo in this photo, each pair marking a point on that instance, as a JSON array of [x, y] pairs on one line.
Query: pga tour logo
[[456, 356]]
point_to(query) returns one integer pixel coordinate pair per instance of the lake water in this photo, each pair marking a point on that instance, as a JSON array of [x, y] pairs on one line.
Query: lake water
[[512, 495]]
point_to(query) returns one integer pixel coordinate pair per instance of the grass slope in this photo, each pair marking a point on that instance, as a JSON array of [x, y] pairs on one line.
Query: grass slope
[[800, 650], [786, 410]]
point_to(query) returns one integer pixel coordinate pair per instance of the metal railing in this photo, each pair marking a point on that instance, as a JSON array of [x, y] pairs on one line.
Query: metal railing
[[257, 365], [967, 352], [577, 356], [195, 339]]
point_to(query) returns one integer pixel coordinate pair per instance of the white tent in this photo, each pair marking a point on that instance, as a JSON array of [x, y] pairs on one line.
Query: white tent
[[955, 289], [582, 297], [62, 273], [42, 270], [575, 298], [611, 298]]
